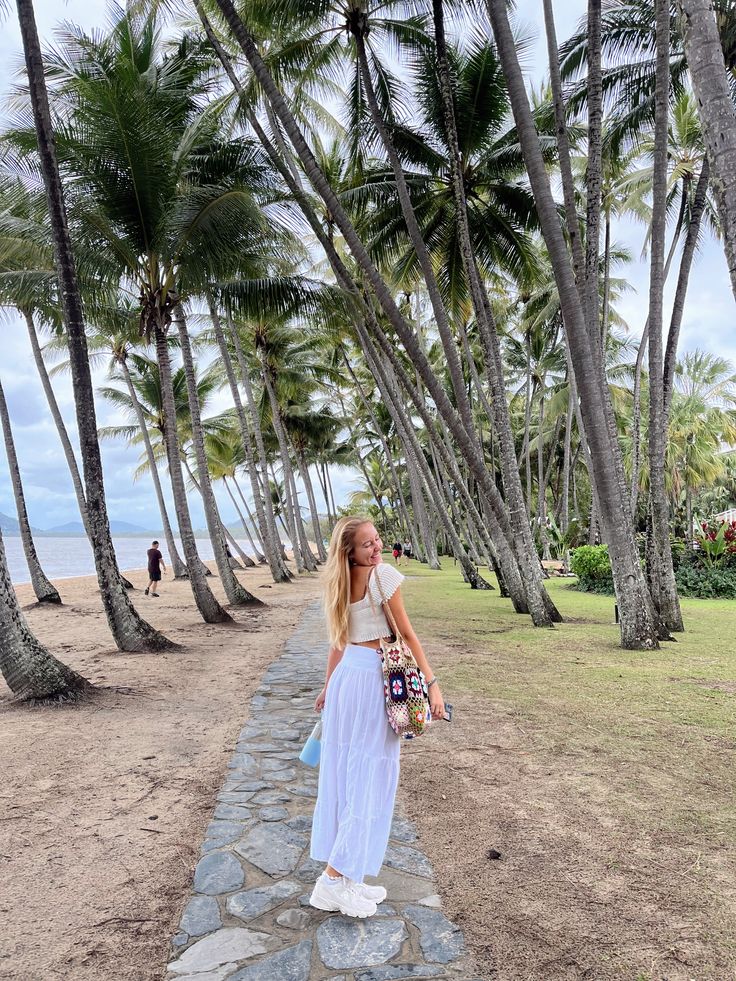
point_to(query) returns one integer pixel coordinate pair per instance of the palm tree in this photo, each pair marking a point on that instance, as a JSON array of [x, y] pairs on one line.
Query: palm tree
[[45, 591], [265, 519], [660, 570], [639, 628], [30, 671], [142, 402], [466, 441], [703, 48], [28, 283], [703, 420], [129, 630], [174, 213], [701, 45], [236, 594]]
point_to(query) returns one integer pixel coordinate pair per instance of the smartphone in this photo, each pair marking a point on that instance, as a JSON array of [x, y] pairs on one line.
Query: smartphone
[[448, 712]]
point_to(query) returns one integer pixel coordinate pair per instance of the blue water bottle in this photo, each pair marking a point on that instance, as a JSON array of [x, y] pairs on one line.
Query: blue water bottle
[[311, 750]]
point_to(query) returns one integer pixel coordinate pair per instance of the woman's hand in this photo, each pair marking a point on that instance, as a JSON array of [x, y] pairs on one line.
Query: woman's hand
[[436, 702], [320, 700]]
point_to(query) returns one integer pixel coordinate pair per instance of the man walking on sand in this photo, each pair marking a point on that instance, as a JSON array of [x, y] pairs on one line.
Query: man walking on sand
[[155, 565]]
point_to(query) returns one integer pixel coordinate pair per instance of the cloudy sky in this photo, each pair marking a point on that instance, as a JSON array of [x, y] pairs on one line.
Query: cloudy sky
[[708, 322]]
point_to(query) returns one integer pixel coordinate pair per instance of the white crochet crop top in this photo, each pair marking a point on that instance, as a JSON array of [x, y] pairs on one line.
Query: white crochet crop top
[[366, 622]]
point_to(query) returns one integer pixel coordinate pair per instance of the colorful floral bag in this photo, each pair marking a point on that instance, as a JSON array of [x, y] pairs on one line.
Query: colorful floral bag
[[404, 685]]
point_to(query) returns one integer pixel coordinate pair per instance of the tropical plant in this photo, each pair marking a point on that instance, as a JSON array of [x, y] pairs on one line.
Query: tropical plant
[[129, 630]]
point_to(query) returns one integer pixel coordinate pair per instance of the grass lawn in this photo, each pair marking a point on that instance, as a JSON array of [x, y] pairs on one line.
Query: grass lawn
[[636, 748]]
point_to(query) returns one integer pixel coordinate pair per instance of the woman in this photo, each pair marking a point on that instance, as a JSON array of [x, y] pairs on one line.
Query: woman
[[359, 765]]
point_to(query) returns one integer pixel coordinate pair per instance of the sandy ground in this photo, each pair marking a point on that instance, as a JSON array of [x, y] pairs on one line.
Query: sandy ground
[[103, 805]]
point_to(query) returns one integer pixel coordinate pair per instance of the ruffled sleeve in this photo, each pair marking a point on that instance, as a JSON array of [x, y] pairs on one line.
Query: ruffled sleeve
[[391, 579]]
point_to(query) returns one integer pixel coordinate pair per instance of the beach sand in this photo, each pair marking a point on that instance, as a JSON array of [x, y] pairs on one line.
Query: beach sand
[[103, 805]]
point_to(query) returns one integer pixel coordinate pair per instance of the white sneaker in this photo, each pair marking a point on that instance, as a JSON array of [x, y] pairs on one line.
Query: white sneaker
[[342, 896], [376, 894]]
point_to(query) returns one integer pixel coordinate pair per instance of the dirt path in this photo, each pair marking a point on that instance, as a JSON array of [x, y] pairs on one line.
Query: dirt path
[[103, 805]]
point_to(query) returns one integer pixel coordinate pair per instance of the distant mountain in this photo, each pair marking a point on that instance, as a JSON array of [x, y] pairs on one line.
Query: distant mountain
[[77, 528], [8, 525], [126, 528]]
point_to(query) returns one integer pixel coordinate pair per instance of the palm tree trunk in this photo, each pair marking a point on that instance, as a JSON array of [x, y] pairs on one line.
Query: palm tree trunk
[[58, 418], [309, 487], [563, 146], [454, 368], [567, 452], [416, 459], [29, 670], [606, 282], [543, 610], [424, 527], [236, 594], [206, 602], [541, 482], [279, 571], [594, 173], [321, 474], [259, 483], [639, 626], [256, 551], [45, 591], [331, 490], [501, 535], [643, 344], [130, 631], [661, 574], [377, 429], [225, 533], [527, 428], [178, 567], [704, 54], [247, 561], [683, 278], [302, 552], [252, 528]]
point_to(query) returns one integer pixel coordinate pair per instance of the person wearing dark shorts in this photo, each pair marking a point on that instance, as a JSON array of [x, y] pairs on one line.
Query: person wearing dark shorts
[[155, 565]]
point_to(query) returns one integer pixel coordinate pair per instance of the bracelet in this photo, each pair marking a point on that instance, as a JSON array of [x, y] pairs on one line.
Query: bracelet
[[430, 683]]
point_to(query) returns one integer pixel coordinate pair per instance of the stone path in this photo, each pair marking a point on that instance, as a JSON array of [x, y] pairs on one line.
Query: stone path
[[249, 918]]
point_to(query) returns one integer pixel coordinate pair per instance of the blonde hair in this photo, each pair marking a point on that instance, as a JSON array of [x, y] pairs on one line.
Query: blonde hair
[[337, 578]]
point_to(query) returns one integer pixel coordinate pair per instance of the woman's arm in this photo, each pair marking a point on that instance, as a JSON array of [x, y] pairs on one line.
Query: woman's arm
[[333, 659], [396, 605]]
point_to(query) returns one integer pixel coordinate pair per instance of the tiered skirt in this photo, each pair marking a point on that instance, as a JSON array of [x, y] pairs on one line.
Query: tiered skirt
[[358, 770]]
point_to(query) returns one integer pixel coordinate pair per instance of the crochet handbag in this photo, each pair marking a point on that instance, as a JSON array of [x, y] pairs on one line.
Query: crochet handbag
[[404, 685]]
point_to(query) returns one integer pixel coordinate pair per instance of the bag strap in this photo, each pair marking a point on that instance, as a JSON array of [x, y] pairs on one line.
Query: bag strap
[[384, 603]]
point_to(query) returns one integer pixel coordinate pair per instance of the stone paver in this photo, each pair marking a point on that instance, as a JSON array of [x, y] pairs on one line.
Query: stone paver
[[249, 917]]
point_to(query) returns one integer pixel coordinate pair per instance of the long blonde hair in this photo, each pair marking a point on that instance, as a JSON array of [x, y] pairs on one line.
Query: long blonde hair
[[337, 578]]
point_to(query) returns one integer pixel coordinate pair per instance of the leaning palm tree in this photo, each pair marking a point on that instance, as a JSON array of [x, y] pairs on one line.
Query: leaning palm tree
[[29, 669], [142, 401], [368, 326], [639, 623], [45, 590], [130, 631], [171, 215]]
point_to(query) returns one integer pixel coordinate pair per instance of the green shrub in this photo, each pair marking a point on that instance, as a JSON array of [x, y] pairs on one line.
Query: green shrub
[[590, 563], [709, 582], [679, 552]]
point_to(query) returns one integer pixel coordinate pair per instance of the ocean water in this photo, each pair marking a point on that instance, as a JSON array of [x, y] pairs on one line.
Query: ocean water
[[62, 558]]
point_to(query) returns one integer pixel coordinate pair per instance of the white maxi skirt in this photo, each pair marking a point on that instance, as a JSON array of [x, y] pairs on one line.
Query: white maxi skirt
[[358, 769]]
